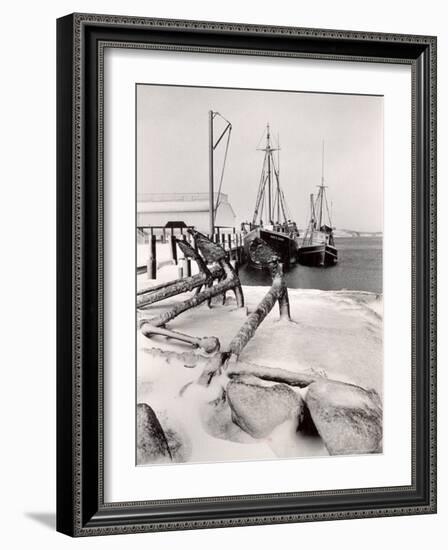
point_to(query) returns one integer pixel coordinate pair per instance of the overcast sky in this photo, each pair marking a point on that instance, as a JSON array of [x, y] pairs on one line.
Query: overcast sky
[[172, 148]]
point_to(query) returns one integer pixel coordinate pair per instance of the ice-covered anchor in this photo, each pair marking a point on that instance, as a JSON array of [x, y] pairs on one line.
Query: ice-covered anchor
[[213, 253], [220, 269], [278, 293]]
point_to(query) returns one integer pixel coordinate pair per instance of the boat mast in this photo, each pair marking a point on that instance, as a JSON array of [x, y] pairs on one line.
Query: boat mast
[[268, 153], [322, 187], [278, 179], [313, 215], [267, 183], [312, 225]]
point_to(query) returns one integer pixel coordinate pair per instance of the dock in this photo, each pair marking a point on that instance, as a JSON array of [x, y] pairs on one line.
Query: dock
[[157, 246]]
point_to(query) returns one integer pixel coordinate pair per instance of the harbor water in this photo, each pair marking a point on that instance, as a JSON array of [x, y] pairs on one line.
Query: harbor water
[[359, 267]]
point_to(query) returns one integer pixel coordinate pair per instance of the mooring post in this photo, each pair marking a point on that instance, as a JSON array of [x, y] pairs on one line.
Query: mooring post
[[151, 267], [173, 248], [187, 261], [283, 298], [186, 267]]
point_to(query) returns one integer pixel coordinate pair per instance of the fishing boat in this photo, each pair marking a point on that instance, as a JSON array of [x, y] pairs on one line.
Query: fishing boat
[[317, 248], [271, 220]]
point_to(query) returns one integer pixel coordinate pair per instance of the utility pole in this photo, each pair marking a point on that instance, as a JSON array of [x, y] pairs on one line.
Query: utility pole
[[211, 183]]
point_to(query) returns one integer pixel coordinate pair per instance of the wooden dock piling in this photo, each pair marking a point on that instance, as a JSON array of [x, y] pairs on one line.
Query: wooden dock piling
[[186, 261], [173, 248], [152, 259]]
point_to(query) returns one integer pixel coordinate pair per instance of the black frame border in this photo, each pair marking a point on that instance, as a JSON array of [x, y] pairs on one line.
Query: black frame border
[[81, 39]]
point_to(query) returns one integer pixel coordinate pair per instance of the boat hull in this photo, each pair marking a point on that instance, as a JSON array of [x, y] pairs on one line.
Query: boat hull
[[285, 246], [317, 255]]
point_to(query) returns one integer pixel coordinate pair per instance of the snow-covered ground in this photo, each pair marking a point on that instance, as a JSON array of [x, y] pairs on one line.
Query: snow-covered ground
[[337, 334]]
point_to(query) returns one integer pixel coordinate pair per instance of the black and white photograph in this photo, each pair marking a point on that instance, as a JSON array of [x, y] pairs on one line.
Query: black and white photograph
[[227, 216], [259, 276]]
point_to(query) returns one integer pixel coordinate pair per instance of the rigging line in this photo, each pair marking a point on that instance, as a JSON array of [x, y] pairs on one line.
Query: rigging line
[[228, 127], [277, 196], [319, 207], [262, 204], [260, 191], [265, 207], [261, 139], [280, 190], [274, 205], [285, 209], [288, 212], [313, 212], [278, 154], [328, 212], [309, 228], [218, 202], [223, 117]]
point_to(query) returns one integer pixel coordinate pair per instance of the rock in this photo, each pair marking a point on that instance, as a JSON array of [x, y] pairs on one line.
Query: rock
[[152, 445], [258, 409], [216, 417], [348, 418], [179, 445], [177, 438]]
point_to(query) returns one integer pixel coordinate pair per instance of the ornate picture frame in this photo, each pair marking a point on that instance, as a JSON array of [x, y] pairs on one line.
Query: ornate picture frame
[[81, 43]]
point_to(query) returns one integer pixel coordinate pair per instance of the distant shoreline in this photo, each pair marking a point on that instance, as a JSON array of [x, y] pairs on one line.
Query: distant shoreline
[[350, 233]]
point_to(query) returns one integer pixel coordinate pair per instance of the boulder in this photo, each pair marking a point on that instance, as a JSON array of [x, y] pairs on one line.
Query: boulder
[[258, 409], [179, 443], [216, 417], [152, 445], [348, 418]]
